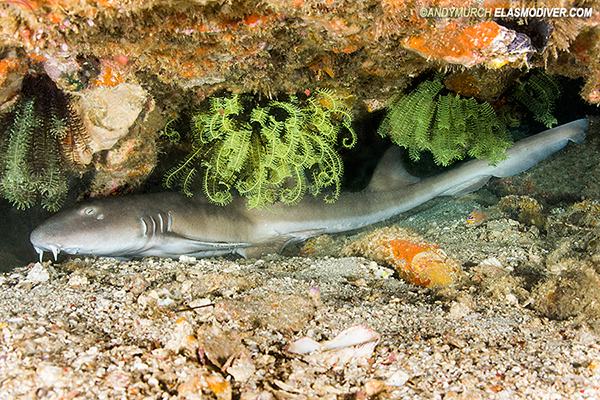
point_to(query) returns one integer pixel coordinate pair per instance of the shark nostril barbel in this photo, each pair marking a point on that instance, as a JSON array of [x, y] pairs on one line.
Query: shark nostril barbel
[[55, 251]]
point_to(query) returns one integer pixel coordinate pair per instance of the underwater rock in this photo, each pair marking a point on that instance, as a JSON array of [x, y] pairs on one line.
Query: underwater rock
[[584, 214], [7, 66], [61, 68], [524, 209], [11, 78], [480, 82], [416, 260], [574, 293], [131, 160], [269, 47], [109, 112]]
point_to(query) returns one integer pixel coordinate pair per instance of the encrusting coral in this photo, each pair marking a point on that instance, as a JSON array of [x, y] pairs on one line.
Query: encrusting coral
[[41, 139], [448, 126], [574, 294], [371, 46], [268, 153], [524, 209]]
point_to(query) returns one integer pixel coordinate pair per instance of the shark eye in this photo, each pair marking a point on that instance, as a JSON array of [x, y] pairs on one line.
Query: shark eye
[[89, 211]]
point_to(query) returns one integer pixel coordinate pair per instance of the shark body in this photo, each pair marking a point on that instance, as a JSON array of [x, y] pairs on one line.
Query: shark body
[[171, 224]]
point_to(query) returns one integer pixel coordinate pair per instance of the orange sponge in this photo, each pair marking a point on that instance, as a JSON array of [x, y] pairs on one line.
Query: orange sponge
[[416, 260]]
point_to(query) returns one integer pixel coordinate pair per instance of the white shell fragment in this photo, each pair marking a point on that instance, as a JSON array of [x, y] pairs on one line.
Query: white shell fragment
[[242, 368], [304, 345], [355, 343], [399, 378], [352, 336]]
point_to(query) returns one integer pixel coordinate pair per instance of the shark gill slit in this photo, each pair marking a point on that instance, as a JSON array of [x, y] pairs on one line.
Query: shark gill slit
[[169, 221], [145, 226], [161, 223]]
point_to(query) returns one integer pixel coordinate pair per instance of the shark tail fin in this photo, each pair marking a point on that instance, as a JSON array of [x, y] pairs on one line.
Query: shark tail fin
[[522, 156], [390, 173], [535, 148]]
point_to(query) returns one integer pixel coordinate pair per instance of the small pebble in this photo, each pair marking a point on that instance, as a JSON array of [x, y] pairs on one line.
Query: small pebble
[[38, 274], [374, 387]]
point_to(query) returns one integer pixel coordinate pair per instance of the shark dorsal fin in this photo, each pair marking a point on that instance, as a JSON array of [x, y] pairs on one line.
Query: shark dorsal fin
[[390, 173]]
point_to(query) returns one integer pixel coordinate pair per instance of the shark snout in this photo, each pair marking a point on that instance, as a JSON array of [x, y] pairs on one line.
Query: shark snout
[[42, 242]]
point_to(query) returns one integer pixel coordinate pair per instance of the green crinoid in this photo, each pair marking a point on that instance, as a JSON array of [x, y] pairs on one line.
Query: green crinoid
[[273, 152], [448, 126], [538, 93], [39, 137]]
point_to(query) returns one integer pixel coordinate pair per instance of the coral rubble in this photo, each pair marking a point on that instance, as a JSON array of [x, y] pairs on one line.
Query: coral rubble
[[524, 209], [573, 294]]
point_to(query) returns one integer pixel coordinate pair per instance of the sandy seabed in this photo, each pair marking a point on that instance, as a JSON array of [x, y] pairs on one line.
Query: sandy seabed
[[192, 329]]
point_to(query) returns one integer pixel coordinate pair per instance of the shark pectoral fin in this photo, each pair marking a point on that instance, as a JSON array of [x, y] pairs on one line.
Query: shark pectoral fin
[[277, 245], [390, 173], [178, 244], [299, 236], [467, 187]]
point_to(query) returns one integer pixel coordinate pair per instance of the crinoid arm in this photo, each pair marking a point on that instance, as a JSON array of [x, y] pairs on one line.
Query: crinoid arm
[[448, 126], [266, 151], [539, 93], [42, 141]]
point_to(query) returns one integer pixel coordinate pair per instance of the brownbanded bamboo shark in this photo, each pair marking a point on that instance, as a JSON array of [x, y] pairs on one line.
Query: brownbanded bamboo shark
[[171, 224]]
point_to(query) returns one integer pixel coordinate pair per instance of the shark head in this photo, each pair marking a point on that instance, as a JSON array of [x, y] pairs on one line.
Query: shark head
[[134, 226], [100, 228]]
